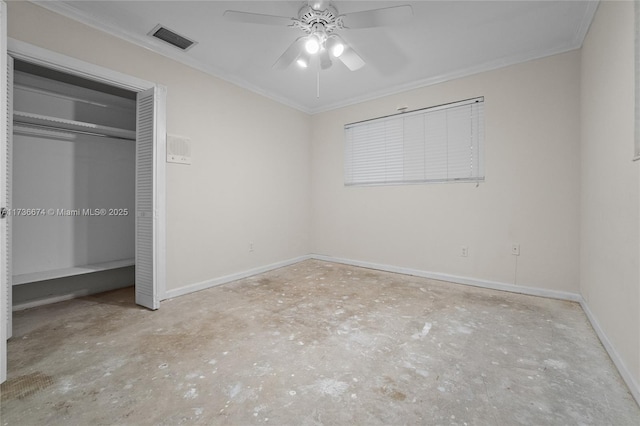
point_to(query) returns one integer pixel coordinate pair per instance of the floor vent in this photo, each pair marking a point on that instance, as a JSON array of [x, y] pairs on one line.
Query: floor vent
[[24, 386], [168, 36]]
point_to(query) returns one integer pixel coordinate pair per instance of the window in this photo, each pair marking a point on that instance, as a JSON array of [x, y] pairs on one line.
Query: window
[[438, 144]]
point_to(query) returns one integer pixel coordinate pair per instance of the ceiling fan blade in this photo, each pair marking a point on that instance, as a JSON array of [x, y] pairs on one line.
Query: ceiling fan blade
[[325, 59], [291, 54], [378, 17], [351, 59], [257, 18]]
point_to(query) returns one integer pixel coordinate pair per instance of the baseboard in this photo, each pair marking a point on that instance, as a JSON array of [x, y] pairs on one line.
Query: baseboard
[[633, 386], [475, 282], [494, 285], [54, 299], [233, 277], [47, 301], [39, 293]]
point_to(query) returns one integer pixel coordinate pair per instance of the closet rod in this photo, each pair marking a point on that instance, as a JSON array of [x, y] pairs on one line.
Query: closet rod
[[64, 130]]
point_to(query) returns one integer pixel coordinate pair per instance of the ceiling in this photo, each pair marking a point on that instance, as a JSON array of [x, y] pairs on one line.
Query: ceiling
[[443, 40]]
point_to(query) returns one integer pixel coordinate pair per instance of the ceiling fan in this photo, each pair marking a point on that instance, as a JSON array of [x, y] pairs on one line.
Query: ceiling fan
[[321, 22]]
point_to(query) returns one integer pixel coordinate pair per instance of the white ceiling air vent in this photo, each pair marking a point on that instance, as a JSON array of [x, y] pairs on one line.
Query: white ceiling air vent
[[169, 36]]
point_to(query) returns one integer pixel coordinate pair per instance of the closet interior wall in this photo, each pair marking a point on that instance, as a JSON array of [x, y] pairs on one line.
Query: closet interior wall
[[73, 187]]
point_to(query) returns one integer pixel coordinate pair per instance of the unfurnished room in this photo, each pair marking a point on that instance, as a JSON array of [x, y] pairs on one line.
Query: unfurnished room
[[320, 212]]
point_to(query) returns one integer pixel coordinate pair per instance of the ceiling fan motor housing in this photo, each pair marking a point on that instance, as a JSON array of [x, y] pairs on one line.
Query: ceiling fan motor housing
[[313, 21]]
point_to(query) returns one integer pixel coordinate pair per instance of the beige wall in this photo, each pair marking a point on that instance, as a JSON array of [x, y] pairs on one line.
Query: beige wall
[[249, 181], [530, 196], [610, 219], [271, 175]]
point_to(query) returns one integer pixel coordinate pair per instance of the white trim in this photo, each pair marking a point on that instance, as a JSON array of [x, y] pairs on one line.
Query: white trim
[[59, 62], [49, 300], [33, 54], [161, 48], [475, 282], [449, 76], [585, 24], [69, 294], [203, 285], [633, 386], [626, 375], [54, 299], [160, 189], [69, 11], [4, 285], [493, 285], [636, 76]]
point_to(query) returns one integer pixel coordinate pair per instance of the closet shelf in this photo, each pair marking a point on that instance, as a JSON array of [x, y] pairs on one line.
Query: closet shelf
[[21, 117], [68, 272]]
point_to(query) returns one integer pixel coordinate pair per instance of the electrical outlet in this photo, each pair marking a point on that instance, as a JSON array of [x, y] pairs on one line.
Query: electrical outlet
[[464, 251], [250, 246], [515, 249]]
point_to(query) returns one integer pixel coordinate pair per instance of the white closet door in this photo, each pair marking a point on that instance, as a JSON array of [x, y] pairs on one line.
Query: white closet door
[[146, 276], [6, 110]]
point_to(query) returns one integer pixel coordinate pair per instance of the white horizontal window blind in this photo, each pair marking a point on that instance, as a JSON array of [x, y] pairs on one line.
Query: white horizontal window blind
[[438, 144]]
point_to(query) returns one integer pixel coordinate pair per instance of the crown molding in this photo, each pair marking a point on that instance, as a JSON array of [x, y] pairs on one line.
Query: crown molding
[[585, 23], [575, 44], [69, 11], [160, 48], [442, 78]]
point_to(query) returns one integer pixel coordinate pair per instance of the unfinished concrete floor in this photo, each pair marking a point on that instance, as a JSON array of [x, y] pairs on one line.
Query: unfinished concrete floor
[[314, 343]]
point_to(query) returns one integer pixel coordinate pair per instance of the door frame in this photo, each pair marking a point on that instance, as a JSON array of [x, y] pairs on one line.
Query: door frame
[[36, 55], [4, 122], [59, 62]]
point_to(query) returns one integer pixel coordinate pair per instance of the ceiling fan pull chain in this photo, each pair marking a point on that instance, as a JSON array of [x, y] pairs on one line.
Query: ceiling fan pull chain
[[318, 84]]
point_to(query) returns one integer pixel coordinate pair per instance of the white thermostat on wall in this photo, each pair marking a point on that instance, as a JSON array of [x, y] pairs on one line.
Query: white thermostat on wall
[[178, 149]]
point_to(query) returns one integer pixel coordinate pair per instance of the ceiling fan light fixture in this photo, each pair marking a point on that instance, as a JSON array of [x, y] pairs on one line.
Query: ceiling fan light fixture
[[312, 46], [319, 20], [335, 46]]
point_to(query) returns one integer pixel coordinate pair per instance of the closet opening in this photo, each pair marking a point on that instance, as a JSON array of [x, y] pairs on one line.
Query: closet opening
[[80, 105], [73, 186]]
